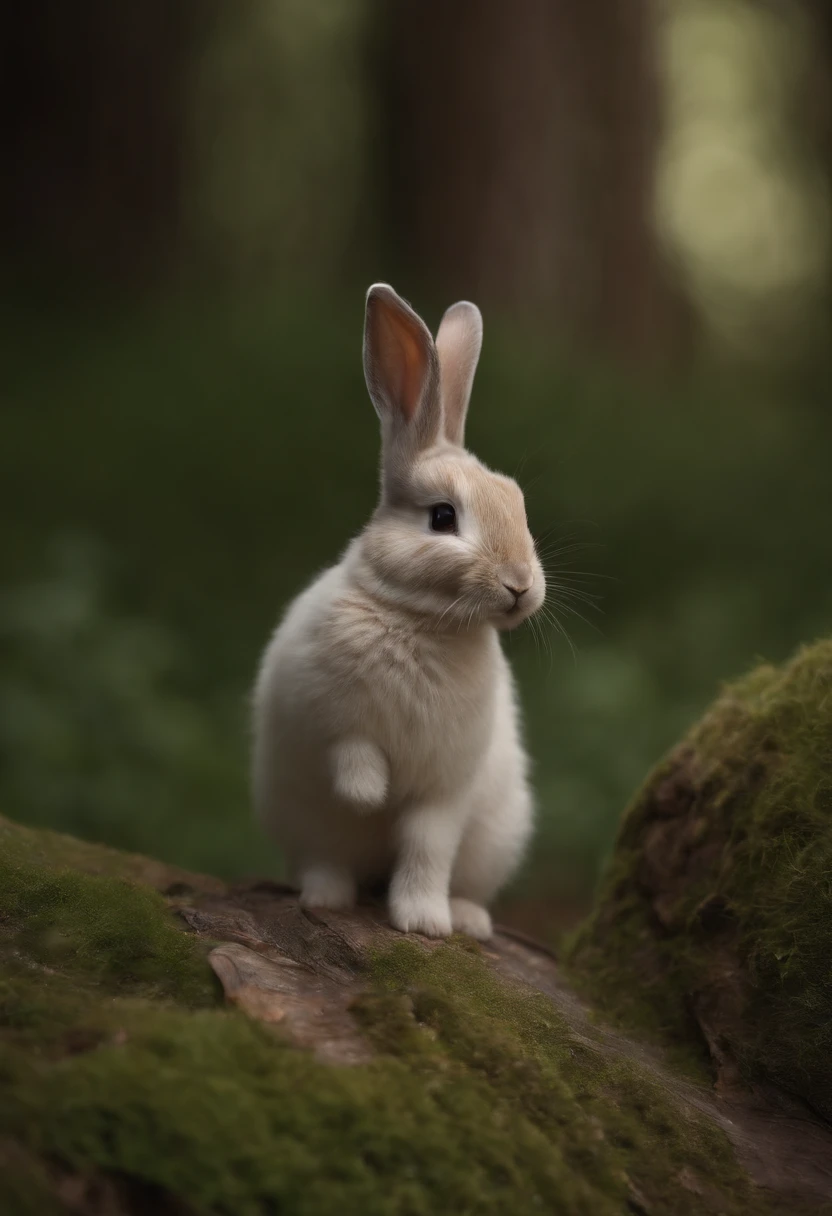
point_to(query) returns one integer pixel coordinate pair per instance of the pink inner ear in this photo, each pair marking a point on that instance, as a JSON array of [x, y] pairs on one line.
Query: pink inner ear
[[402, 360], [413, 374]]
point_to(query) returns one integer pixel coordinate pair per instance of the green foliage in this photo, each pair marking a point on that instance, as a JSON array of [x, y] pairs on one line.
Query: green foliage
[[762, 796], [480, 1099], [97, 729]]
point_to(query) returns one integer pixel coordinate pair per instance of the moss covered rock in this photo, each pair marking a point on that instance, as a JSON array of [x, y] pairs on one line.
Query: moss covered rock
[[714, 921], [127, 1084]]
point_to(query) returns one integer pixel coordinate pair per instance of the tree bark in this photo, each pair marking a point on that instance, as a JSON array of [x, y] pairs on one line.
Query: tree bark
[[522, 141]]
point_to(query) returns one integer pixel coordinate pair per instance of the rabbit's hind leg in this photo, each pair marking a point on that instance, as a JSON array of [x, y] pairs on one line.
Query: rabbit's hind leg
[[490, 851], [327, 886]]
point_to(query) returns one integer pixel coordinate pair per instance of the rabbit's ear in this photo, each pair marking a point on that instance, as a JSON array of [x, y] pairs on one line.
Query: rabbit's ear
[[458, 345], [402, 370]]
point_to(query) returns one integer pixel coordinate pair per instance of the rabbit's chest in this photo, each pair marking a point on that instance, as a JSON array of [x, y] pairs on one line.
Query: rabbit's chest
[[427, 700], [433, 713]]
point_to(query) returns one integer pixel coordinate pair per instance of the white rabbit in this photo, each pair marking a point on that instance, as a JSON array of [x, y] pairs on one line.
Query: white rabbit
[[386, 732]]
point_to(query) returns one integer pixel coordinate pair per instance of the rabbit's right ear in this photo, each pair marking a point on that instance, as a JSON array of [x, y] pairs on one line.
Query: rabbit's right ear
[[401, 368], [458, 345]]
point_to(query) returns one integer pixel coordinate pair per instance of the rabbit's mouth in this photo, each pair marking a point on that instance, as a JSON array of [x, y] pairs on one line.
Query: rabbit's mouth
[[524, 602], [515, 615]]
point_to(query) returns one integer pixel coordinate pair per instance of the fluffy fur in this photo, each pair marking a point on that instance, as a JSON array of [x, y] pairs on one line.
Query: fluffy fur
[[386, 728]]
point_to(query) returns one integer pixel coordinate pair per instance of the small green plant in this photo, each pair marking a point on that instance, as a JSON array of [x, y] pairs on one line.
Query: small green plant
[[98, 730]]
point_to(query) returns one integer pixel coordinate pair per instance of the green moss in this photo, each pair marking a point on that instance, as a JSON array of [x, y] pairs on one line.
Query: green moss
[[757, 772], [635, 978], [610, 1122], [43, 847], [106, 929], [480, 1098], [479, 1102]]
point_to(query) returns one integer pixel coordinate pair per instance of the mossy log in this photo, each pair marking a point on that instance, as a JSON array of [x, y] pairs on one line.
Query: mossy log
[[171, 1044], [713, 925]]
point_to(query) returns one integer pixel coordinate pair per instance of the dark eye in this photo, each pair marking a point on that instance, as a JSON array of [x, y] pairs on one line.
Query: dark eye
[[443, 517]]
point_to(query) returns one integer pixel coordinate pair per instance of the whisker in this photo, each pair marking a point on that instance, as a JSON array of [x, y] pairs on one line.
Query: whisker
[[561, 629], [546, 644], [448, 609], [590, 574], [577, 595], [570, 538], [567, 527], [528, 485], [580, 581], [529, 621], [570, 597], [558, 576], [574, 612], [573, 648], [533, 629], [519, 468], [561, 550], [565, 579], [547, 537]]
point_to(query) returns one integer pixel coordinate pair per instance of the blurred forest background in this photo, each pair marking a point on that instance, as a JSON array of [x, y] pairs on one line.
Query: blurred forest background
[[197, 194]]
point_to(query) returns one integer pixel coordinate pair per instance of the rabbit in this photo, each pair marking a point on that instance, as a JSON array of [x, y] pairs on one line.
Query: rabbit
[[386, 733]]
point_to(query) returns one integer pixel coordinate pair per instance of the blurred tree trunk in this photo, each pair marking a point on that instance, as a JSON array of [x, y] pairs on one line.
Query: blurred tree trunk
[[523, 139], [818, 98], [218, 139], [92, 134]]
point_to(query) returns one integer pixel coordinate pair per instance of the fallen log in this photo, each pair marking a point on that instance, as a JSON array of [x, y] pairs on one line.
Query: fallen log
[[171, 1043]]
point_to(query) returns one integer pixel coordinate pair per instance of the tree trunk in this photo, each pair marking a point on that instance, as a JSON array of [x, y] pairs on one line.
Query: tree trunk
[[523, 141], [816, 118], [92, 136]]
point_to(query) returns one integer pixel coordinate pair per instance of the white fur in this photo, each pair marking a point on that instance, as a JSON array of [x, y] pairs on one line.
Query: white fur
[[386, 731], [360, 773]]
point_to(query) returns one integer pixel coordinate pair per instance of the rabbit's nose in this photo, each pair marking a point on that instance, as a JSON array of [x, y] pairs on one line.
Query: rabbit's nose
[[517, 579]]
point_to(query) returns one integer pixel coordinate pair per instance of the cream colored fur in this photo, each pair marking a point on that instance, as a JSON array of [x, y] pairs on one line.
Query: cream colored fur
[[386, 730]]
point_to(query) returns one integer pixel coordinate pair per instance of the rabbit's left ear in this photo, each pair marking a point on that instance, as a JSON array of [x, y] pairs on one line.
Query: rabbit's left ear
[[458, 345], [402, 373]]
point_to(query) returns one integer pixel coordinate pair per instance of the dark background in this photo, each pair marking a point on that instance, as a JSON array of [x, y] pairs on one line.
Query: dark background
[[196, 196]]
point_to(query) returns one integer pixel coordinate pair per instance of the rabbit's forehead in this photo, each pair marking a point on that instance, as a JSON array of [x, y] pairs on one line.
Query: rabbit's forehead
[[491, 496]]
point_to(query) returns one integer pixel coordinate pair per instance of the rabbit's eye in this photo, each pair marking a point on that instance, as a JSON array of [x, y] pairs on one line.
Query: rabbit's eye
[[443, 517]]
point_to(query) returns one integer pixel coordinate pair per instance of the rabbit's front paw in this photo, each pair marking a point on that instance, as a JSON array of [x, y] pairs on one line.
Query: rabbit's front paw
[[431, 916], [473, 919], [360, 774]]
